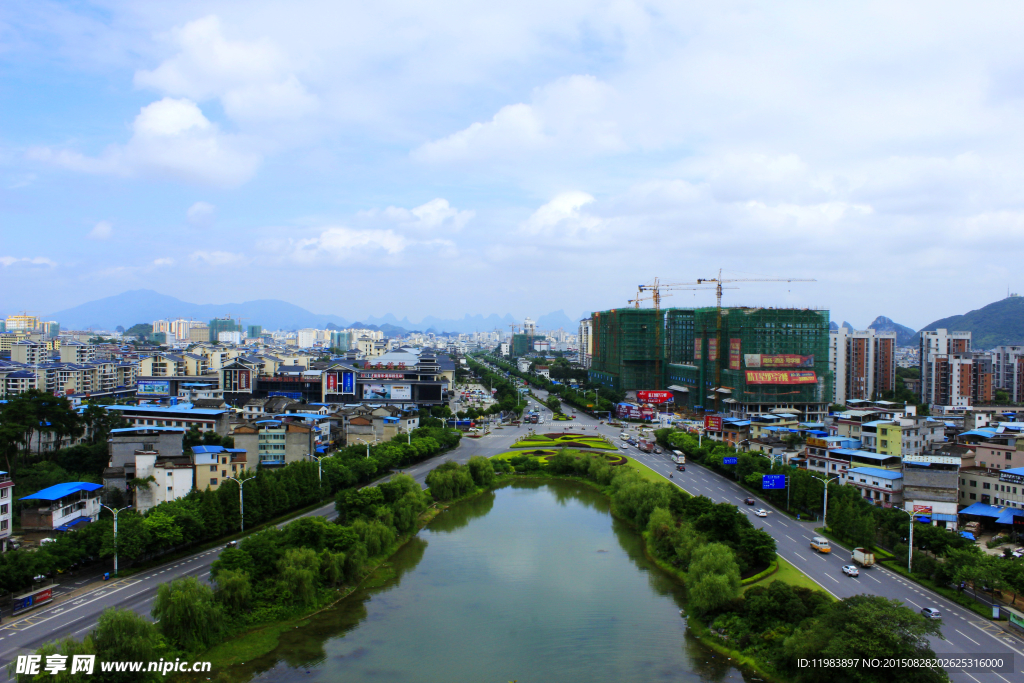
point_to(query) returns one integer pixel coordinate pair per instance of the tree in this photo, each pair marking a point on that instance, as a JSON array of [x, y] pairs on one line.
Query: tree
[[121, 635], [234, 590], [481, 470], [299, 571], [713, 579], [866, 627], [187, 613]]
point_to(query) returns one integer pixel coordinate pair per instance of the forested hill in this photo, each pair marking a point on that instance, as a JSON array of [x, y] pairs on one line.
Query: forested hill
[[1001, 322]]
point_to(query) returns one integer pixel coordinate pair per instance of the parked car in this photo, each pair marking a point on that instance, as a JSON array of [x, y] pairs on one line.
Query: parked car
[[931, 612], [761, 512], [851, 570], [750, 501]]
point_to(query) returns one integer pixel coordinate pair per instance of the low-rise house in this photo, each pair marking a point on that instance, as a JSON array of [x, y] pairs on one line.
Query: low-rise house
[[882, 487], [61, 507], [274, 442], [214, 464]]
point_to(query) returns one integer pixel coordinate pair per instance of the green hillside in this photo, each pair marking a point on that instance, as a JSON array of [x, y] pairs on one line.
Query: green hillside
[[1001, 322]]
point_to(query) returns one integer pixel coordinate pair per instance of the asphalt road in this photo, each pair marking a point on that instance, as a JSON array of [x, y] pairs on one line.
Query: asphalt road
[[966, 634]]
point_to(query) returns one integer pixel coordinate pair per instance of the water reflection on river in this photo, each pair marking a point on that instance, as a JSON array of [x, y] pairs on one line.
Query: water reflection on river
[[532, 582]]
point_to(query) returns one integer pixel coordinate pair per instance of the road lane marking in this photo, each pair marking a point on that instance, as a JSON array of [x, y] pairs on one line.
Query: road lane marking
[[913, 603], [967, 636], [790, 538], [873, 579], [832, 577]]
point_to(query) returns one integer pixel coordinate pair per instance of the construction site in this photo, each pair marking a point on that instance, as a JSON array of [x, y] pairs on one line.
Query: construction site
[[736, 360]]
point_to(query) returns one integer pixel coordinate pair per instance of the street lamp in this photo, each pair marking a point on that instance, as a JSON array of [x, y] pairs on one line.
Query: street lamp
[[364, 441], [319, 467], [241, 500], [115, 531], [824, 509], [910, 550]]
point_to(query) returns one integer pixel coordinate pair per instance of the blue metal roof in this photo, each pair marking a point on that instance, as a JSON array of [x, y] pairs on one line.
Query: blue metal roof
[[74, 522], [1007, 516], [1015, 470], [863, 454], [207, 449], [982, 509], [58, 491], [876, 472], [147, 429], [180, 408], [981, 431]]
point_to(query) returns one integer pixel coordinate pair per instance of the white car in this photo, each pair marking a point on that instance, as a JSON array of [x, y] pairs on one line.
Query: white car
[[851, 570], [761, 512]]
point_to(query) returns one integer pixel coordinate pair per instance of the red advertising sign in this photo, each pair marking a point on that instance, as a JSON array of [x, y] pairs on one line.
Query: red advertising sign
[[713, 423], [781, 377], [654, 396], [696, 348], [923, 509], [781, 360], [332, 382], [712, 349], [243, 379], [734, 354]]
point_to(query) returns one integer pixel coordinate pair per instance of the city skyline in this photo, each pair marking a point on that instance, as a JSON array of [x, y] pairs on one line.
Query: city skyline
[[315, 152]]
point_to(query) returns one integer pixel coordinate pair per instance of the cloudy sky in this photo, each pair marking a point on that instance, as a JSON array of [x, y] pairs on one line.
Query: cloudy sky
[[447, 157]]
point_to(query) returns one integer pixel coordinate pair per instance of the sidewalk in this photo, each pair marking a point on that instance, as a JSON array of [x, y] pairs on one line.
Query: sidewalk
[[66, 597]]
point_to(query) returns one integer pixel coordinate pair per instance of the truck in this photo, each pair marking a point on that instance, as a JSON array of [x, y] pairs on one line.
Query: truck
[[533, 418], [678, 458], [647, 441], [862, 557]]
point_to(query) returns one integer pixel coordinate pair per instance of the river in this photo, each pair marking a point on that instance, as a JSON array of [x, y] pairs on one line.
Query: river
[[533, 582]]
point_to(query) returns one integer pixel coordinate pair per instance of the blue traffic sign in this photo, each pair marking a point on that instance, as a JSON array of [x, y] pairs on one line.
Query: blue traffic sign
[[773, 481], [730, 461]]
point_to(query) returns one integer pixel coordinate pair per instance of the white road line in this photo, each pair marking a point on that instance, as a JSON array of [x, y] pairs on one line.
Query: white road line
[[873, 579], [790, 538], [802, 558], [1005, 679], [833, 578], [913, 603], [967, 636], [972, 677]]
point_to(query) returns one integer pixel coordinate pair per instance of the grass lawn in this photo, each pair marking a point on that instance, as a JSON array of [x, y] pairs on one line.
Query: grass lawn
[[251, 645], [645, 471], [787, 573]]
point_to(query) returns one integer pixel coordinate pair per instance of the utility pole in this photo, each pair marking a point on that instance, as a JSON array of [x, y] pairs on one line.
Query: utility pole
[[319, 467], [824, 509]]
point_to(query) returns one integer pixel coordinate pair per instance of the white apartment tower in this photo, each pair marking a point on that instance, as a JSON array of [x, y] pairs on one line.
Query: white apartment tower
[[863, 363]]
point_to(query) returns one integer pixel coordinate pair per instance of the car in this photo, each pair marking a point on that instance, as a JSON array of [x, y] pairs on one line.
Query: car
[[851, 570], [750, 501], [931, 613], [622, 446], [761, 512], [657, 450], [680, 468], [39, 577], [232, 544]]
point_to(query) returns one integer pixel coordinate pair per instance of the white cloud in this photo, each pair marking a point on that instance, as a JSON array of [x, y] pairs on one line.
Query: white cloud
[[562, 216], [101, 231], [8, 261], [170, 138], [335, 244], [437, 214], [161, 262], [251, 78], [201, 214], [216, 258], [571, 114]]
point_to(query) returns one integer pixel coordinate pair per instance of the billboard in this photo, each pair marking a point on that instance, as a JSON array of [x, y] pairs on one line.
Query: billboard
[[653, 396], [348, 382], [696, 348], [153, 388], [237, 380], [781, 360], [712, 349], [922, 509], [387, 392], [713, 423], [730, 461], [781, 377], [332, 382], [773, 481], [734, 354]]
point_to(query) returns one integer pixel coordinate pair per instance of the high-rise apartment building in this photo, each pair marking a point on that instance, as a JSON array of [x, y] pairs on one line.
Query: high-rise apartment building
[[586, 342], [21, 321], [948, 375], [218, 325], [863, 363]]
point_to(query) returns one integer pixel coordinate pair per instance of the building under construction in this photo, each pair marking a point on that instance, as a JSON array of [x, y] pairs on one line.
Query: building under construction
[[729, 360], [522, 344]]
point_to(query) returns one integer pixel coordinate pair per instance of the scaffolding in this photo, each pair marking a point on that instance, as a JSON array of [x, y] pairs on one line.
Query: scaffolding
[[628, 351]]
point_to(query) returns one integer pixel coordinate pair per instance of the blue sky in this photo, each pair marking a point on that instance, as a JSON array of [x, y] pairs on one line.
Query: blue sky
[[452, 157]]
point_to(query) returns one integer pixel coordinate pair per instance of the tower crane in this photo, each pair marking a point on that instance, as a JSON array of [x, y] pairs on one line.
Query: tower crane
[[718, 282]]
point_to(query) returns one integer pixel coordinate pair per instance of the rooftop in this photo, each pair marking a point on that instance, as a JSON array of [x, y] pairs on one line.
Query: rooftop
[[58, 491]]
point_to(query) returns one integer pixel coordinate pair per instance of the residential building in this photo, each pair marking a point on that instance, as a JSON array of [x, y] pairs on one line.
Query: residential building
[[882, 487], [982, 485], [504, 348], [1008, 370], [21, 321], [863, 363], [30, 353], [198, 333], [61, 507], [125, 443], [274, 442], [77, 352], [218, 325], [946, 368], [174, 479], [931, 489], [6, 508], [523, 364], [184, 415], [214, 464]]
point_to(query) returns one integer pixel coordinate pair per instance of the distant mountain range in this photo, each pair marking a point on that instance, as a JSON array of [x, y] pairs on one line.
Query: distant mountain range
[[145, 306], [1001, 322], [904, 335]]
